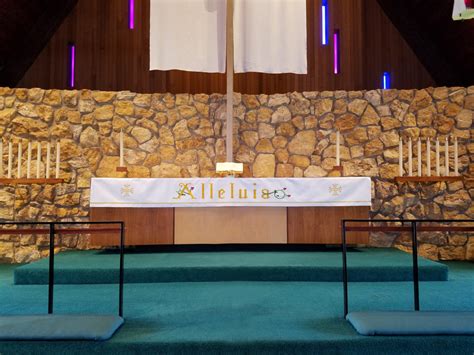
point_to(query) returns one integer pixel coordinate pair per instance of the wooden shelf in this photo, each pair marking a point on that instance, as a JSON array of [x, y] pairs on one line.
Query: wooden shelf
[[14, 181], [427, 178]]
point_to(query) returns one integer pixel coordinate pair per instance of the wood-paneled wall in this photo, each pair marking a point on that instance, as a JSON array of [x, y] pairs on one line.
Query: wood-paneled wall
[[112, 57]]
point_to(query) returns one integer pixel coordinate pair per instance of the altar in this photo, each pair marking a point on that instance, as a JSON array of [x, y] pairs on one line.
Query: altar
[[230, 210]]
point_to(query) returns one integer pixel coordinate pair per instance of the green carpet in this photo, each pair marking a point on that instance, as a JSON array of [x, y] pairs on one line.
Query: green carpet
[[242, 317], [96, 267]]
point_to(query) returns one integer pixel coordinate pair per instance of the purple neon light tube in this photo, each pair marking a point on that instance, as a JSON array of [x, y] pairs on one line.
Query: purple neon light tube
[[72, 64], [336, 38], [131, 14]]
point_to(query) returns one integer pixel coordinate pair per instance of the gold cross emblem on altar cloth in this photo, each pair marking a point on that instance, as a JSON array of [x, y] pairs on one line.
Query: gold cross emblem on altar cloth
[[126, 190], [335, 189]]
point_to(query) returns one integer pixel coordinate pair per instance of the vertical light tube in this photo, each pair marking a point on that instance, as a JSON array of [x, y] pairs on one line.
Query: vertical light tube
[[386, 80], [71, 81], [336, 45], [338, 148], [324, 23], [131, 14]]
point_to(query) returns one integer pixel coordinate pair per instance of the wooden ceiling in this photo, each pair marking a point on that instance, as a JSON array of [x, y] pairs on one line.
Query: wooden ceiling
[[445, 47], [25, 28]]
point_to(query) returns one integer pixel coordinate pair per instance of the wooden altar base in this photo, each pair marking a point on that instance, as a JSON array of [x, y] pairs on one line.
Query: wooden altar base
[[222, 225]]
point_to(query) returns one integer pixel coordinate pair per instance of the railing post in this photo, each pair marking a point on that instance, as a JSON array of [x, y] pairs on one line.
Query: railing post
[[416, 282], [344, 268], [121, 272], [51, 269]]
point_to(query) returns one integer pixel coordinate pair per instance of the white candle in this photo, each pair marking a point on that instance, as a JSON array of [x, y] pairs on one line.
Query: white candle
[[58, 160], [19, 160], [48, 158], [437, 158], [428, 156], [456, 162], [38, 159], [1, 158], [121, 148], [338, 151], [28, 163], [10, 159], [419, 156], [410, 157], [400, 158], [446, 151]]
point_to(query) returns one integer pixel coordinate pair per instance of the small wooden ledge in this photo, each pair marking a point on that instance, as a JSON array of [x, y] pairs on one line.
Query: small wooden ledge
[[403, 179], [337, 168], [14, 181], [121, 169]]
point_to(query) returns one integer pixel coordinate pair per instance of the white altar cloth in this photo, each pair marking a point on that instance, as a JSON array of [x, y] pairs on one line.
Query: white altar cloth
[[222, 192]]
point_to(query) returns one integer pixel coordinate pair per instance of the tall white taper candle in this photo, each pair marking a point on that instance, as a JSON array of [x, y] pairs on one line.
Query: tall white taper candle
[[1, 158], [419, 156], [338, 152], [456, 161], [38, 159], [10, 159], [446, 157], [48, 158], [437, 158], [400, 157], [19, 160], [121, 148], [28, 162], [410, 157], [58, 159], [428, 156]]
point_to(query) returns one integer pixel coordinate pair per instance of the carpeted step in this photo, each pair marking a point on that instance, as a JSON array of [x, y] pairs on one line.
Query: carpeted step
[[99, 267]]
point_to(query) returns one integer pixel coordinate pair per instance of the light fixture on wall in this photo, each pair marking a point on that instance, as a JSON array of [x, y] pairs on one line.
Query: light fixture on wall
[[131, 14], [71, 47], [324, 23], [336, 40], [386, 84]]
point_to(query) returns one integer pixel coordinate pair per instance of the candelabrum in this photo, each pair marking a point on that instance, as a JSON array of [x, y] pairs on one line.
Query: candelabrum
[[34, 150], [442, 170]]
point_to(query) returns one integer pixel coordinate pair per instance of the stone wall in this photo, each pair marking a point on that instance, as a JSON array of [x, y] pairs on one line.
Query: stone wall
[[274, 135]]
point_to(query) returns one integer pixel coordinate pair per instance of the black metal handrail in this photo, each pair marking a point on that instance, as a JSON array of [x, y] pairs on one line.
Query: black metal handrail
[[413, 228], [52, 231]]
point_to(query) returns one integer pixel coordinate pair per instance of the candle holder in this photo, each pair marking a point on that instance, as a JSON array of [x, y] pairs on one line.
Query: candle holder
[[338, 168], [403, 179], [121, 169], [26, 181]]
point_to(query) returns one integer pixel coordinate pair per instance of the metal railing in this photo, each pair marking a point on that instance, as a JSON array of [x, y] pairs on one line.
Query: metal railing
[[52, 231], [415, 226]]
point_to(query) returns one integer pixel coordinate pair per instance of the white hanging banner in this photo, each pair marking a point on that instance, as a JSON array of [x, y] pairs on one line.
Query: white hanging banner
[[220, 192], [270, 36], [188, 35]]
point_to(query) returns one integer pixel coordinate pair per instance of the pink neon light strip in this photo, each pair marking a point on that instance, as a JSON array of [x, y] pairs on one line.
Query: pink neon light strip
[[72, 65], [336, 52], [131, 14]]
